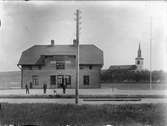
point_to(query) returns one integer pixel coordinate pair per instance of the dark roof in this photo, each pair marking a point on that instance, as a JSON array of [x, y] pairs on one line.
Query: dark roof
[[89, 54], [139, 58], [122, 67]]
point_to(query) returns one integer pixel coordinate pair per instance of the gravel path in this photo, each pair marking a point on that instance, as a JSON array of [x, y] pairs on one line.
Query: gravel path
[[108, 91], [72, 101]]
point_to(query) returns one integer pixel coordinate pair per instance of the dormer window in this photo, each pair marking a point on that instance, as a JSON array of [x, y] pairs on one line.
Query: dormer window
[[60, 65]]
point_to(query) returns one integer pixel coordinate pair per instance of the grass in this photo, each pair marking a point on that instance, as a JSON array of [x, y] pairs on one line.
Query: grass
[[85, 115], [85, 96]]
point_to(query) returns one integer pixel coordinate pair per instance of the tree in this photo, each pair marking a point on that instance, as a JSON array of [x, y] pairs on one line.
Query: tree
[[121, 75]]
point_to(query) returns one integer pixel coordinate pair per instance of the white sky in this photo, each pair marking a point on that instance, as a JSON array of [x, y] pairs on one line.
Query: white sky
[[115, 27]]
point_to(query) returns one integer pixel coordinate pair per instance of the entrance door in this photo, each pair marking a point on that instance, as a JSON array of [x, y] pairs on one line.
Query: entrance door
[[60, 81], [53, 80], [68, 80]]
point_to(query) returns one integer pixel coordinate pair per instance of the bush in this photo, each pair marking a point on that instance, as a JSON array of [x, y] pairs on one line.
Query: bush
[[132, 76]]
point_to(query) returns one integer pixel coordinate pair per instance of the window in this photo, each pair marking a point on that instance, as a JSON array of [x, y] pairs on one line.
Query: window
[[39, 67], [53, 80], [30, 67], [86, 80], [35, 80], [138, 62], [60, 65], [81, 67], [90, 67], [68, 80]]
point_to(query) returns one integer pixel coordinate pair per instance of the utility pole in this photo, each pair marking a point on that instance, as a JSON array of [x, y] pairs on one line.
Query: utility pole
[[77, 55], [151, 53]]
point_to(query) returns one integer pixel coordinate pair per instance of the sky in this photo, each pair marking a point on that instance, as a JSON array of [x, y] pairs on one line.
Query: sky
[[116, 27]]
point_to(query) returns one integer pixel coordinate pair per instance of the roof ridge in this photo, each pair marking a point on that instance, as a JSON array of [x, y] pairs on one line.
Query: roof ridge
[[123, 65], [61, 45]]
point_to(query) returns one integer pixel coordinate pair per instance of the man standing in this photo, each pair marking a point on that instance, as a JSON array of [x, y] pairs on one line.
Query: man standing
[[27, 89], [44, 88], [64, 88]]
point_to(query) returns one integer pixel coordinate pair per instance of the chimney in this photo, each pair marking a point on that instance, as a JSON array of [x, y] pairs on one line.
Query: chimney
[[74, 42], [52, 42]]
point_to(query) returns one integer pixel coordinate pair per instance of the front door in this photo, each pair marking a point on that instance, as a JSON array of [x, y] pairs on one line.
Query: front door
[[68, 80], [60, 81], [53, 81]]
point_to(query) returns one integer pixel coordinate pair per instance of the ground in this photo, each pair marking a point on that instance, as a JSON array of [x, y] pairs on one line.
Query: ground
[[17, 107], [84, 115], [37, 96]]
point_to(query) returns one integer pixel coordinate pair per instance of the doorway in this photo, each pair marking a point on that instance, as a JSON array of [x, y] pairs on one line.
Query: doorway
[[68, 80], [60, 81]]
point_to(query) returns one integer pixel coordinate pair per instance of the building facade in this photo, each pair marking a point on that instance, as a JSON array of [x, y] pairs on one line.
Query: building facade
[[55, 65]]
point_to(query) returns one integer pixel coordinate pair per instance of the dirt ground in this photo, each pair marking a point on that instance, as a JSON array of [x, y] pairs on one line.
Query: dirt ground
[[103, 91]]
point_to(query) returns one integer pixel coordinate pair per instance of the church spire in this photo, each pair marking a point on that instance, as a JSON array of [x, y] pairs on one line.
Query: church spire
[[139, 51], [139, 60]]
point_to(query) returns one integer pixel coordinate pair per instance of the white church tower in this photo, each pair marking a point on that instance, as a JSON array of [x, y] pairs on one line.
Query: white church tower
[[139, 60]]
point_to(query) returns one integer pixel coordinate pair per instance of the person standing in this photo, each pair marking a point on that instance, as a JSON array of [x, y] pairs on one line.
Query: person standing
[[64, 88], [44, 88], [27, 89]]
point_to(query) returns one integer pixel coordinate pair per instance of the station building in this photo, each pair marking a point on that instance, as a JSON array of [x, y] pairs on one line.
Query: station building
[[55, 65]]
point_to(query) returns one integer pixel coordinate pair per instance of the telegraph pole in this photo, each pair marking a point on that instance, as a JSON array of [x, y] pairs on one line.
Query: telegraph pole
[[151, 53], [77, 56]]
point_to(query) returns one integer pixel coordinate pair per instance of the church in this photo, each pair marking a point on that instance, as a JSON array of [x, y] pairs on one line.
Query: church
[[138, 66], [139, 60]]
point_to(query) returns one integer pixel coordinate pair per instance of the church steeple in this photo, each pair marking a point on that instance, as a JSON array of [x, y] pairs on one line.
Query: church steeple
[[139, 60], [139, 51]]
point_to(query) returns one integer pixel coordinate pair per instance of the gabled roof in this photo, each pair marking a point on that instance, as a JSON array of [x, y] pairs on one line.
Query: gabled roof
[[89, 54], [122, 67]]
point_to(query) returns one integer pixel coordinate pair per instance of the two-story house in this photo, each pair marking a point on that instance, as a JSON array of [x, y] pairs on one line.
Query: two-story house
[[56, 64]]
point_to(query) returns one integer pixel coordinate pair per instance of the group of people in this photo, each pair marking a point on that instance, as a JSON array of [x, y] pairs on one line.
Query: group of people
[[28, 88], [44, 88]]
